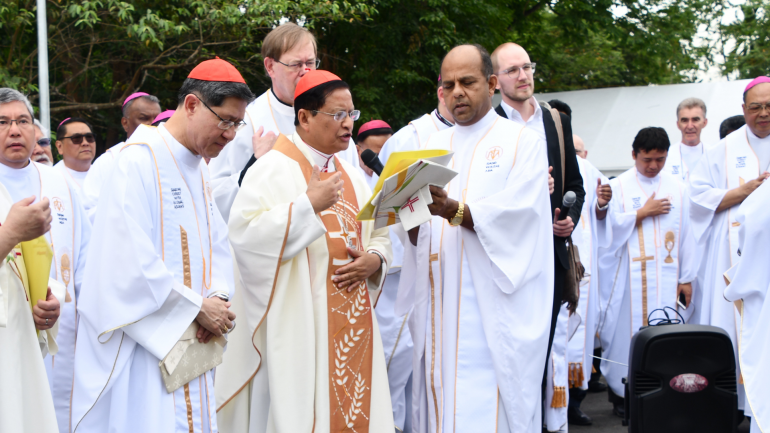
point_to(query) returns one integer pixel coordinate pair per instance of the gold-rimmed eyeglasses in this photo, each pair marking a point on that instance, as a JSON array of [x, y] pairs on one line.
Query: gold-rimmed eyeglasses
[[341, 115], [223, 124]]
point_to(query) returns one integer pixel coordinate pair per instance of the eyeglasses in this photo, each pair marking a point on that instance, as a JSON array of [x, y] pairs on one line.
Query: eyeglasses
[[756, 107], [78, 138], [44, 142], [21, 123], [298, 66], [223, 124], [341, 115], [514, 71]]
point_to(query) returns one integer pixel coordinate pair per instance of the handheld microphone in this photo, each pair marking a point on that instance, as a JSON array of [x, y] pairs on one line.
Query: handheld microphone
[[569, 199], [371, 160]]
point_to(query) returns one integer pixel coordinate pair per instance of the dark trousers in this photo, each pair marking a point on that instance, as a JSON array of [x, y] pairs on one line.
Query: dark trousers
[[576, 396], [558, 289]]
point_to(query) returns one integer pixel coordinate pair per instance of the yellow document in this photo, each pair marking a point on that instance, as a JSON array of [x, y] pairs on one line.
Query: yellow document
[[37, 257], [397, 162]]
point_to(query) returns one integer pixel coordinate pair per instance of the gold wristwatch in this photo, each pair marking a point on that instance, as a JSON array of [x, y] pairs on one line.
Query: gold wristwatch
[[458, 218]]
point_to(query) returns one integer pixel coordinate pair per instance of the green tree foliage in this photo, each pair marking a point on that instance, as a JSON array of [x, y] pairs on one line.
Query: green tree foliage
[[390, 51], [747, 41]]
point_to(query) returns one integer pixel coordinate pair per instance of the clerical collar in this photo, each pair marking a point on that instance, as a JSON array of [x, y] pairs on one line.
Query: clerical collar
[[442, 118], [754, 140], [483, 123], [322, 160], [650, 182], [6, 171], [279, 99]]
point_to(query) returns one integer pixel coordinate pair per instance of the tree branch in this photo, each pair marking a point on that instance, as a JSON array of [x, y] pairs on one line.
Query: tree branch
[[86, 106]]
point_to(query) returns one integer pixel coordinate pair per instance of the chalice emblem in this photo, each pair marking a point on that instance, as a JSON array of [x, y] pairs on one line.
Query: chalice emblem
[[670, 240]]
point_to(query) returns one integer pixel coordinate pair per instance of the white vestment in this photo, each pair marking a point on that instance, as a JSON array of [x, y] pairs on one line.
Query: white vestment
[[272, 115], [558, 377], [413, 136], [749, 284], [725, 166], [69, 237], [278, 375], [100, 171], [581, 345], [25, 398], [479, 354], [640, 266], [396, 338], [682, 160], [161, 247]]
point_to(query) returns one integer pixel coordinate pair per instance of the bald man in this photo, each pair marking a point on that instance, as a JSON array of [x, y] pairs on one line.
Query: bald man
[[515, 72]]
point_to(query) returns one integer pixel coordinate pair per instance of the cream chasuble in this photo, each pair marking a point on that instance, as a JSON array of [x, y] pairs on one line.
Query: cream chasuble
[[25, 397], [725, 166], [479, 354], [161, 246], [76, 178], [413, 136], [642, 265], [69, 237], [581, 345], [682, 159], [272, 115], [307, 356], [748, 288], [100, 170]]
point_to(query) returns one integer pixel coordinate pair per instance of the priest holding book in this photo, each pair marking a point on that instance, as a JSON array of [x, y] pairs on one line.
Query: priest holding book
[[160, 275], [308, 354], [477, 274]]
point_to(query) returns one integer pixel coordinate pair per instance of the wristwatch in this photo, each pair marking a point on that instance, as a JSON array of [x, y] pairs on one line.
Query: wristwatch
[[458, 218]]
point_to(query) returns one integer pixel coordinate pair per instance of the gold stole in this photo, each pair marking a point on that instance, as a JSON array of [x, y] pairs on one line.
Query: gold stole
[[348, 314]]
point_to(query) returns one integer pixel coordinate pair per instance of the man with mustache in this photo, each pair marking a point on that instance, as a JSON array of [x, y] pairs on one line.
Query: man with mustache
[[42, 153], [76, 143], [476, 276], [684, 156]]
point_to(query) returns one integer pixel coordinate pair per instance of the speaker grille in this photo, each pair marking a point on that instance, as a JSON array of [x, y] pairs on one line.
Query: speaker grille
[[727, 382], [644, 383]]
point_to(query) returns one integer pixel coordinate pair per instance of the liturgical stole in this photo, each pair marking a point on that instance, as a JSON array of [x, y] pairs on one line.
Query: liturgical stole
[[653, 248], [741, 166], [349, 315], [181, 231]]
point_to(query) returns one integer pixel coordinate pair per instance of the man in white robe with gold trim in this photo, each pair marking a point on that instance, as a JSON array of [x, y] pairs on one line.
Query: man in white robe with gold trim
[[69, 236], [648, 253], [749, 281], [25, 396], [308, 356], [728, 173], [289, 52], [684, 156], [160, 272], [474, 275]]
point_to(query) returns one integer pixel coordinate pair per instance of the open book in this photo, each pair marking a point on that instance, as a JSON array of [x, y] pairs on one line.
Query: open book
[[402, 193]]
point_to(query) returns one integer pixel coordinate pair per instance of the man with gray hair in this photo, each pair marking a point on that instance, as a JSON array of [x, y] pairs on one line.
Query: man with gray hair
[[42, 153], [684, 156], [68, 237], [138, 109]]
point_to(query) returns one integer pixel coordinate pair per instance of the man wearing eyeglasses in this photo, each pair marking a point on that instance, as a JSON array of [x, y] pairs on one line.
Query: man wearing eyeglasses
[[289, 52], [156, 304], [725, 176], [311, 356], [42, 153], [516, 83], [76, 143], [69, 235]]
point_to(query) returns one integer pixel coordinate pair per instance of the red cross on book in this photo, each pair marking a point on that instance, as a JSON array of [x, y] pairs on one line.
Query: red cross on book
[[410, 203]]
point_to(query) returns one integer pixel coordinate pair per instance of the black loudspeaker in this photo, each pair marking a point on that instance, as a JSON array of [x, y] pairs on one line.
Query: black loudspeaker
[[681, 378]]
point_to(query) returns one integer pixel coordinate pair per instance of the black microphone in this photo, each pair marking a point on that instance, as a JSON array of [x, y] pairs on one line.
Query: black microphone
[[569, 199], [372, 161]]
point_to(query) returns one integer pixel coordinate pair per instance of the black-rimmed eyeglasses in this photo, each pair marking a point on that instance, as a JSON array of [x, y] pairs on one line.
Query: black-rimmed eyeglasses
[[298, 66], [223, 124]]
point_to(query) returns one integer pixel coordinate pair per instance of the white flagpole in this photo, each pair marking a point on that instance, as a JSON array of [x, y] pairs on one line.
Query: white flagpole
[[42, 65]]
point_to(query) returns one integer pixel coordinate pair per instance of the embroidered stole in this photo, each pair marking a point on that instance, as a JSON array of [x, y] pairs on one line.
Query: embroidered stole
[[741, 166], [349, 317], [653, 248]]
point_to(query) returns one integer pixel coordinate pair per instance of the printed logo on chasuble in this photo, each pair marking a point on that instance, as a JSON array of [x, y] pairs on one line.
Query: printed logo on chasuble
[[350, 324], [493, 155]]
